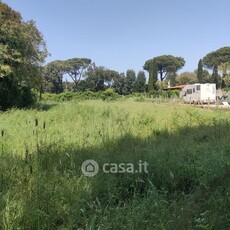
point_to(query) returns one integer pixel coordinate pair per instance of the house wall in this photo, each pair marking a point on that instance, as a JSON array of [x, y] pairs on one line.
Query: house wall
[[206, 93]]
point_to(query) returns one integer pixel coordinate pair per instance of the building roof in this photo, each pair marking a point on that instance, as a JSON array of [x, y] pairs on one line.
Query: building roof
[[175, 87]]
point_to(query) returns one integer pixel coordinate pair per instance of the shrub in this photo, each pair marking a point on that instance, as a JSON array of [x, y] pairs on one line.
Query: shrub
[[50, 97], [167, 93], [108, 94]]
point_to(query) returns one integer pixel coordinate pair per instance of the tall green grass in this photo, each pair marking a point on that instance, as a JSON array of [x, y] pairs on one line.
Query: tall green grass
[[187, 149]]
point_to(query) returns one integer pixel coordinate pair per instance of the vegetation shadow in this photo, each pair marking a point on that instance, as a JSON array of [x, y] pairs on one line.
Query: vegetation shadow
[[42, 106]]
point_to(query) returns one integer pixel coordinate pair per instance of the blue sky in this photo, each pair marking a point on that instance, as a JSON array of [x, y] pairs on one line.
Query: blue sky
[[123, 34]]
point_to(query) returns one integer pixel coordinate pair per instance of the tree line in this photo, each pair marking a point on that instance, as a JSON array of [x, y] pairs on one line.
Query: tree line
[[85, 75], [162, 71], [22, 68]]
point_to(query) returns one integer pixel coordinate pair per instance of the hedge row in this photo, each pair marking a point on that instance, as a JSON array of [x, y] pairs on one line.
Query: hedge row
[[109, 95]]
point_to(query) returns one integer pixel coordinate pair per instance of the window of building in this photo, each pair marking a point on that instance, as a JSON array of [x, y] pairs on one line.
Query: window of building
[[189, 91]]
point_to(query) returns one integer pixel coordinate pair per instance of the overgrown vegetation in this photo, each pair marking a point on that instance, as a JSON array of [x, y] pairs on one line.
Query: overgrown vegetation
[[187, 149], [42, 149], [14, 95], [107, 95]]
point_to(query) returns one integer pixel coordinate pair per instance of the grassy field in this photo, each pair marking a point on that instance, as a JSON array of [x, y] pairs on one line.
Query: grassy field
[[187, 149]]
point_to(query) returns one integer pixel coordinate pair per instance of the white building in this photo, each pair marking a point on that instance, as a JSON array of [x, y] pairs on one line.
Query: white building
[[199, 93]]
